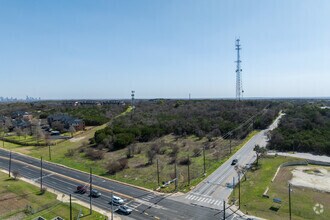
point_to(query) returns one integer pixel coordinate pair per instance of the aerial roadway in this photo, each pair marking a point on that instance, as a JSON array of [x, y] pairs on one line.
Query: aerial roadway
[[145, 204], [217, 187]]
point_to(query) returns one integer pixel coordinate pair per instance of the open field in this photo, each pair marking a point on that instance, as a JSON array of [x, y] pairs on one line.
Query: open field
[[303, 199], [21, 200], [138, 171]]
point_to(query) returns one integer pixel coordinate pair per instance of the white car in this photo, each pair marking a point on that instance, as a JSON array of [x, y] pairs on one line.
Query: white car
[[117, 200], [124, 209]]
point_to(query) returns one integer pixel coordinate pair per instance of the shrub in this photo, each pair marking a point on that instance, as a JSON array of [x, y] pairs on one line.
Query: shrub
[[70, 153], [123, 163], [94, 154], [197, 152], [116, 166], [185, 161]]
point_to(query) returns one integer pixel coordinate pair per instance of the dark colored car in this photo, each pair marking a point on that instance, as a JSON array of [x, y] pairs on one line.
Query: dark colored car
[[95, 193], [81, 189], [234, 162]]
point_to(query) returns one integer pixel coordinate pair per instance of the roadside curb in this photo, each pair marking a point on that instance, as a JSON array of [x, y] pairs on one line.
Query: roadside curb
[[74, 200]]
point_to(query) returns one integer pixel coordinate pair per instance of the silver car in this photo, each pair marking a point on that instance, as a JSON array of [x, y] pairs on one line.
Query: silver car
[[124, 209]]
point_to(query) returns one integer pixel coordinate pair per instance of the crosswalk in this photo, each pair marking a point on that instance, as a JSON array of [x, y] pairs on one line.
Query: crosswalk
[[203, 199]]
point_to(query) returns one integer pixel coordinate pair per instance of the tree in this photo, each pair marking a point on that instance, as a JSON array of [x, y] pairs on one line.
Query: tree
[[259, 152], [241, 171], [18, 132], [151, 153], [15, 174], [72, 130]]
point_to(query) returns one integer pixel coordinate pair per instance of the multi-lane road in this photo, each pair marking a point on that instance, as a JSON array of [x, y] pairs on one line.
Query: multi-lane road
[[145, 204], [214, 189], [203, 202]]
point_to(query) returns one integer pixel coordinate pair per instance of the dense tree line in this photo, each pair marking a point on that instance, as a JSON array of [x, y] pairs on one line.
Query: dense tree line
[[304, 128], [203, 118]]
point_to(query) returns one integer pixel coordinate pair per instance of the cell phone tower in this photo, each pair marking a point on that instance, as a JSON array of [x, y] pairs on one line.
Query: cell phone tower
[[239, 87], [132, 101]]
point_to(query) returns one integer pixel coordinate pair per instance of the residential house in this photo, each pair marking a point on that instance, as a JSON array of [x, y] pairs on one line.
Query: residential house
[[67, 121]]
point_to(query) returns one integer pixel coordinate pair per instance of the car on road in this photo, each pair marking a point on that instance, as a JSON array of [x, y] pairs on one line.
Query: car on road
[[95, 193], [124, 209], [81, 189], [117, 200], [234, 162]]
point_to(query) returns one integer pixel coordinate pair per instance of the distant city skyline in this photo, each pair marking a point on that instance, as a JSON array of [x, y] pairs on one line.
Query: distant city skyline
[[84, 49]]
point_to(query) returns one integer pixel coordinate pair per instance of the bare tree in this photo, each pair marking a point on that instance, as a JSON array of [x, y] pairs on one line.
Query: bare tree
[[18, 132], [241, 171], [72, 130], [151, 154], [15, 174], [259, 152]]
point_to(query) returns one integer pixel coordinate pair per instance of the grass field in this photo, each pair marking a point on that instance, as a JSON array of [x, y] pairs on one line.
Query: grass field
[[138, 172], [21, 200], [302, 199]]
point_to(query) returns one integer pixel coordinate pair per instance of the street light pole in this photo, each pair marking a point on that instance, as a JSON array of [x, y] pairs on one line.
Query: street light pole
[[157, 172], [188, 171], [90, 191], [9, 168], [111, 205], [50, 153], [239, 191], [41, 174], [224, 209], [290, 200], [204, 160], [70, 208]]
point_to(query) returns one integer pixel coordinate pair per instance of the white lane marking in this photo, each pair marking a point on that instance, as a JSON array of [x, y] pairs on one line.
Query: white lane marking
[[36, 179], [199, 199], [189, 196], [203, 199], [212, 201]]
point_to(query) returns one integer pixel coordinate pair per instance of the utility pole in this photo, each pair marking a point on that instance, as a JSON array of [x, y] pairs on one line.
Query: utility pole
[[49, 152], [230, 145], [111, 205], [188, 171], [90, 191], [70, 208], [41, 174], [176, 177], [233, 186], [9, 168], [239, 191], [204, 160], [290, 200], [157, 172], [224, 209]]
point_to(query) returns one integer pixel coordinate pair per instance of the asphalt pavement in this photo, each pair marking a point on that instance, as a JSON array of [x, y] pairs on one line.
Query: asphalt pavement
[[145, 204]]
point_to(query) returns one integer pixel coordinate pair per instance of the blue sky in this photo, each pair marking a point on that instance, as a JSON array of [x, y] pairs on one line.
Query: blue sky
[[163, 49]]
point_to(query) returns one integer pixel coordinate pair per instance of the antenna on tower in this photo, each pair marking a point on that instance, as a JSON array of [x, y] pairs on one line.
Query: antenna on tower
[[132, 101], [239, 87]]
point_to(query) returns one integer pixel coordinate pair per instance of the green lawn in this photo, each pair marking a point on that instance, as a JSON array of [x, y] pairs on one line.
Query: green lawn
[[16, 196], [303, 199]]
